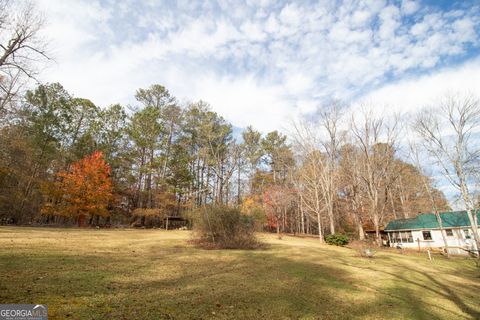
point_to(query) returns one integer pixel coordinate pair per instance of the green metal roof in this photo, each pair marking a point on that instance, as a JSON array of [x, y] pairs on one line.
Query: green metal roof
[[428, 221]]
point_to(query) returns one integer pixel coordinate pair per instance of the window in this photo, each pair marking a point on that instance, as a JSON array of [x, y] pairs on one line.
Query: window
[[449, 232], [396, 237], [467, 233], [427, 235], [410, 237], [401, 237], [407, 237], [393, 237]]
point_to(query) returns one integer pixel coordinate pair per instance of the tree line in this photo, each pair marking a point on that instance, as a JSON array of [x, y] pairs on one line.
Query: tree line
[[336, 172], [166, 158]]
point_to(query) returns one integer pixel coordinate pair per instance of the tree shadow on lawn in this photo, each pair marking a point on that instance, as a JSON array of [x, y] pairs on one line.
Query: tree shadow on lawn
[[260, 287], [441, 289], [406, 275], [194, 284]]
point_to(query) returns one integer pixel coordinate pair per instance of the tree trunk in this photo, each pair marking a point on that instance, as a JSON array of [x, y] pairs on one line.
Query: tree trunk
[[277, 222], [167, 152], [392, 202], [201, 190], [377, 226], [140, 181], [238, 183], [358, 222], [81, 220], [149, 182], [471, 212], [320, 231], [361, 232], [473, 222], [302, 216], [331, 218]]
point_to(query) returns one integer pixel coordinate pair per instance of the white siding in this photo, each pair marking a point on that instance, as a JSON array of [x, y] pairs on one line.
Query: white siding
[[458, 239]]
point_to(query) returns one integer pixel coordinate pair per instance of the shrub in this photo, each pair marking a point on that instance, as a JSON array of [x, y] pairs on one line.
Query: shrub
[[337, 239], [224, 227]]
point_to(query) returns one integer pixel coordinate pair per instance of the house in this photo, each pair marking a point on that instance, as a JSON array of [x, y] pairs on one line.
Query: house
[[423, 231]]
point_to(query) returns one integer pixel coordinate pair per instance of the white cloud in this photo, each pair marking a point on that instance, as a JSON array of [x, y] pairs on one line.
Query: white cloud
[[409, 6], [409, 95], [246, 101], [74, 24], [256, 63], [389, 17], [360, 18], [290, 14]]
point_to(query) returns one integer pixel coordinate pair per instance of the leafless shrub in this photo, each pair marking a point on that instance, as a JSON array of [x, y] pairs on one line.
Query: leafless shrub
[[221, 227]]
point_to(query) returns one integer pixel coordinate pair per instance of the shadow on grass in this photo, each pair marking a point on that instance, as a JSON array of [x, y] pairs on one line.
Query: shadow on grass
[[433, 285], [440, 289], [192, 284], [187, 283]]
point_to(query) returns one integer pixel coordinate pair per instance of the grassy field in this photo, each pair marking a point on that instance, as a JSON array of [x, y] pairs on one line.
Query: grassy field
[[152, 274]]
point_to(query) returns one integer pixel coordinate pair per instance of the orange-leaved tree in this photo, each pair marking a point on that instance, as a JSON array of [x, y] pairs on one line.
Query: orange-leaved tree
[[86, 188]]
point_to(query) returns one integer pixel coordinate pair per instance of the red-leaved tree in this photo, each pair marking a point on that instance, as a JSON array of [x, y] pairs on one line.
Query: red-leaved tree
[[85, 190]]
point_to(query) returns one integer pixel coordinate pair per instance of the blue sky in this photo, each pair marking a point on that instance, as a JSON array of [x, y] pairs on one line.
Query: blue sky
[[263, 62]]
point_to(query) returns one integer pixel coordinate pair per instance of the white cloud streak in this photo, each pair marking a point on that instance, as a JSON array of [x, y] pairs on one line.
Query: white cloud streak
[[258, 62]]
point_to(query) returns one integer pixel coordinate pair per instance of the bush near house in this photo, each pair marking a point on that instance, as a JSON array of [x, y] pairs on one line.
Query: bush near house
[[337, 239]]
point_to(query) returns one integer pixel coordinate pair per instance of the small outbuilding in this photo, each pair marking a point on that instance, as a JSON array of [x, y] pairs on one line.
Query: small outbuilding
[[423, 232]]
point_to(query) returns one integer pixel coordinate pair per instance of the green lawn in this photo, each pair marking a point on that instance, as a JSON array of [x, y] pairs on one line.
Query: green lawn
[[152, 274]]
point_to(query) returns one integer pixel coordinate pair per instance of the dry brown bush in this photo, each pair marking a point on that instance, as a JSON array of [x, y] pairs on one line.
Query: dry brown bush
[[221, 227]]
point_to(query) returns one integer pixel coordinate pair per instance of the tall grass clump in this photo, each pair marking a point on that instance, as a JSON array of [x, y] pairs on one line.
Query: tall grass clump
[[224, 227]]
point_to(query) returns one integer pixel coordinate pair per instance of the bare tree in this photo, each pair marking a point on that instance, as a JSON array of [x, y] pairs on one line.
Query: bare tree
[[351, 186], [278, 201], [311, 187], [430, 190], [310, 178], [376, 139], [21, 47], [330, 116], [318, 142], [449, 136]]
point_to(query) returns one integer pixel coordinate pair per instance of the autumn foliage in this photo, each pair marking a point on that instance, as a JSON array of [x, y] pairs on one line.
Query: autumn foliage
[[85, 190], [278, 201]]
